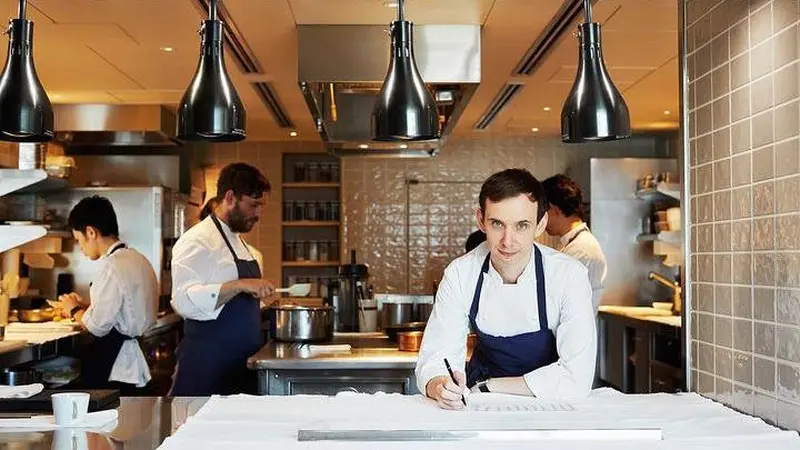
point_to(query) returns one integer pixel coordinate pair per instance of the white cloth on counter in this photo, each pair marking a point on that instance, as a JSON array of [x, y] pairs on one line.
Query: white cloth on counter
[[511, 309], [687, 422], [201, 264], [23, 391], [124, 296], [103, 420], [586, 249]]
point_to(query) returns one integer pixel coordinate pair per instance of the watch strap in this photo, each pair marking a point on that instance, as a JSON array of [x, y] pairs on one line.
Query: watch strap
[[483, 387], [74, 311]]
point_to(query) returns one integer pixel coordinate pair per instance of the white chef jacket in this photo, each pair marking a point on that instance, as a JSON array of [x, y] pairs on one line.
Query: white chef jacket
[[201, 264], [124, 295], [586, 249], [511, 309]]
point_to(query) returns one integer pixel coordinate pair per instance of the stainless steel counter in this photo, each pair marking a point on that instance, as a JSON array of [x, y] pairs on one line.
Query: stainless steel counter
[[143, 424], [372, 364], [369, 351]]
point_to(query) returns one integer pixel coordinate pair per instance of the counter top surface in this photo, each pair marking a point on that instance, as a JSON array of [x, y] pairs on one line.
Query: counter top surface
[[643, 313], [368, 351]]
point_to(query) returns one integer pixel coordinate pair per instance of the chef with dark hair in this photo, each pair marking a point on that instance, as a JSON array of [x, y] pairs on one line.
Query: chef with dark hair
[[218, 289], [122, 304], [529, 305]]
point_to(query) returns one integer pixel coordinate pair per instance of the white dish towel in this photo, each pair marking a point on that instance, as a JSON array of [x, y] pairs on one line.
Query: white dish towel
[[24, 391]]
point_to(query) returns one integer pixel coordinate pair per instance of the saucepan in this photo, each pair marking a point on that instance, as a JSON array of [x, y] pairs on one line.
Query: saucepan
[[296, 323], [409, 341], [394, 330]]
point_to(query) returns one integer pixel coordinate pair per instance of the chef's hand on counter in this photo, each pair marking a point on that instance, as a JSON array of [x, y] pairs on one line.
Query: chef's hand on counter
[[446, 393], [257, 287]]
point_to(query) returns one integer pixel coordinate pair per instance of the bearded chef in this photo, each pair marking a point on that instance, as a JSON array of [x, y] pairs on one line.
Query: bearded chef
[[529, 305], [218, 288]]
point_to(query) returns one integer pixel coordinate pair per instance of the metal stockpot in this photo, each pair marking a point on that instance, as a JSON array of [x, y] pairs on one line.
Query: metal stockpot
[[295, 323]]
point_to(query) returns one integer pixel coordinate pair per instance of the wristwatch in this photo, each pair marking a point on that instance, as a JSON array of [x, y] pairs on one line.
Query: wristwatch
[[483, 386], [74, 311]]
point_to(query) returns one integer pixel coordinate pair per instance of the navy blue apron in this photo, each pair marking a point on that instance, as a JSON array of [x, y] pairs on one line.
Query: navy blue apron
[[98, 354], [513, 356], [212, 358]]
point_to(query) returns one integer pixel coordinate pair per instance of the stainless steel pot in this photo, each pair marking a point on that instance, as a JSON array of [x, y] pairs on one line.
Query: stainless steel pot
[[295, 323], [393, 314], [424, 311]]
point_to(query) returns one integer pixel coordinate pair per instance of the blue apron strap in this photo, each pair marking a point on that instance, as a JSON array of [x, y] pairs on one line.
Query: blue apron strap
[[541, 298], [476, 297]]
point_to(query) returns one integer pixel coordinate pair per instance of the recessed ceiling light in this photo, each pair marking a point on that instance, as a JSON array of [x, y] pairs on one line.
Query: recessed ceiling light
[[293, 133], [167, 49], [363, 146], [546, 108], [666, 113], [534, 129]]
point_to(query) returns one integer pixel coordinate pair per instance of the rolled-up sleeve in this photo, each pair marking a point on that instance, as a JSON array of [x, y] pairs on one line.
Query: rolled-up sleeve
[[105, 297], [446, 333], [192, 296], [576, 341]]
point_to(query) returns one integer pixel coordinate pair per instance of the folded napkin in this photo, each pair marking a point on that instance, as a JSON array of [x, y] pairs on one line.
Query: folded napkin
[[330, 348], [94, 420], [24, 391]]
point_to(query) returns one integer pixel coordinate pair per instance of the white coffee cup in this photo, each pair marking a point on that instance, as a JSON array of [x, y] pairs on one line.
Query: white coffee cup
[[70, 408]]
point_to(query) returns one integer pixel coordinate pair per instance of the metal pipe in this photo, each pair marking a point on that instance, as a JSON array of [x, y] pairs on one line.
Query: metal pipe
[[587, 9], [655, 276], [212, 10], [22, 6], [400, 11]]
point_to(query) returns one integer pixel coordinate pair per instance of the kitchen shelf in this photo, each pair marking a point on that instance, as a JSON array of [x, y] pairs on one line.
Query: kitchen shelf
[[662, 191], [310, 185], [670, 237], [310, 263], [12, 236], [310, 223], [28, 181]]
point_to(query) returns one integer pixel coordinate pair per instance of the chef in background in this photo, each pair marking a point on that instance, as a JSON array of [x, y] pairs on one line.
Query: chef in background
[[123, 301], [529, 305], [218, 288], [566, 222]]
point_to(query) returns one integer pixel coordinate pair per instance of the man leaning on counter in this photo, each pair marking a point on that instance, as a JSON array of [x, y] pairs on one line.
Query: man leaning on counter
[[218, 288], [529, 305]]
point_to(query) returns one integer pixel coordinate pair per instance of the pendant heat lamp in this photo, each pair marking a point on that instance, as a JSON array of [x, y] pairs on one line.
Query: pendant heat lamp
[[211, 109], [405, 110], [26, 114], [594, 109]]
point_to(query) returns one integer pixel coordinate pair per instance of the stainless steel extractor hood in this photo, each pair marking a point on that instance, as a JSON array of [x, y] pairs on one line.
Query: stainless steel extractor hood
[[83, 125], [341, 69]]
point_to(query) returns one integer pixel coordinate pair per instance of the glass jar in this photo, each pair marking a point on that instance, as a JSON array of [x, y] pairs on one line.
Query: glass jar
[[313, 172], [320, 211], [300, 172], [289, 251], [324, 172], [324, 251], [313, 251], [335, 210], [299, 210], [288, 211], [335, 172], [333, 251], [310, 211], [301, 251]]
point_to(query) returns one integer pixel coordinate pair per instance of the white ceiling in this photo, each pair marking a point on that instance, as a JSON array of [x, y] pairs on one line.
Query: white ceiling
[[110, 51]]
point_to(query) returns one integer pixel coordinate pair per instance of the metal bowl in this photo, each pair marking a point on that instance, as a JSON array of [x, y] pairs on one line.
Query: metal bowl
[[36, 315], [296, 323]]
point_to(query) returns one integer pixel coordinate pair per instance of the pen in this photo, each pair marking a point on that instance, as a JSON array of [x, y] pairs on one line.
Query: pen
[[453, 377]]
